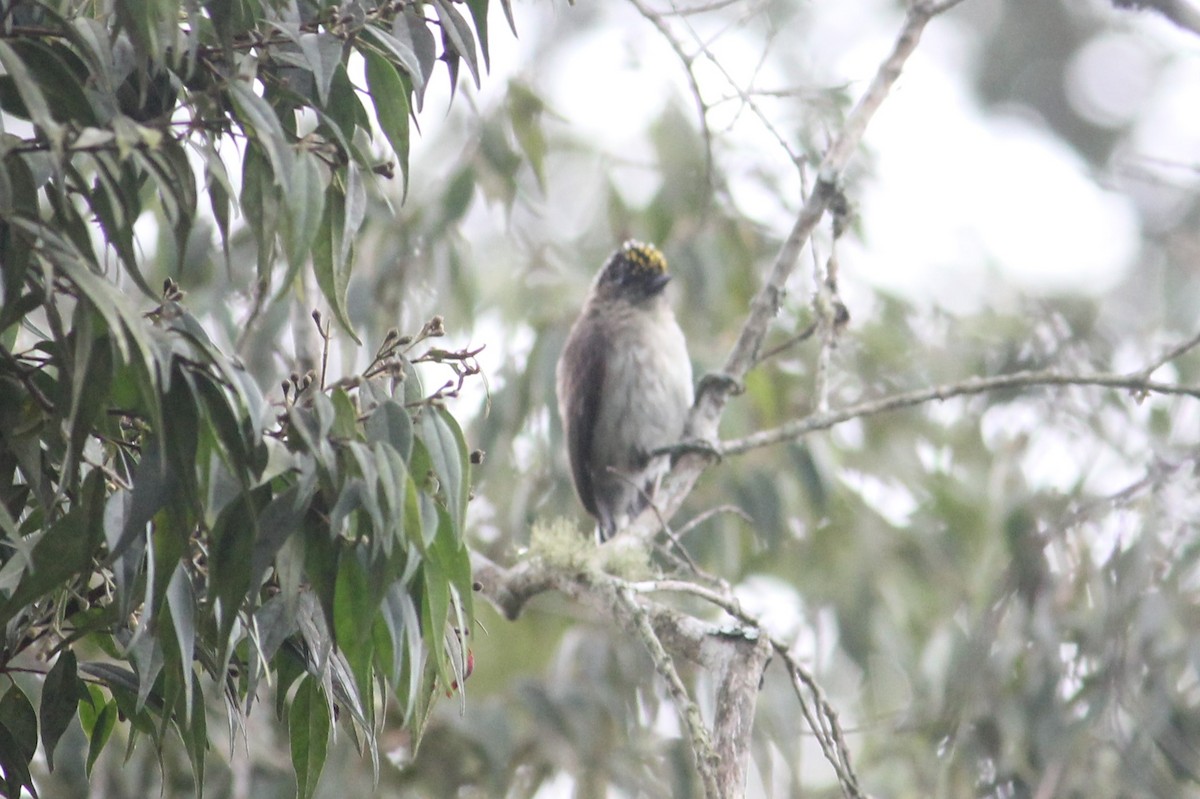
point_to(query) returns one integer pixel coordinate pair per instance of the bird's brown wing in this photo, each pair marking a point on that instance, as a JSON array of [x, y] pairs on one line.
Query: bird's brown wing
[[584, 387]]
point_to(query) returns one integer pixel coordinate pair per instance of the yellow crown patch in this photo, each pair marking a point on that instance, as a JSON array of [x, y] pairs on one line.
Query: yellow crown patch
[[644, 257]]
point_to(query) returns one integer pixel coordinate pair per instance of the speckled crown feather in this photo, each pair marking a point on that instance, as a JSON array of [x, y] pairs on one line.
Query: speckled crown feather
[[643, 257]]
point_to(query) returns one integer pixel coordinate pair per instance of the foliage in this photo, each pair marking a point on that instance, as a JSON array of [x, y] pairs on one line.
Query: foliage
[[171, 537]]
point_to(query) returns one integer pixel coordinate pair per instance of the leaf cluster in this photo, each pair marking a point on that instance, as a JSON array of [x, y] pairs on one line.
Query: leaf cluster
[[170, 536]]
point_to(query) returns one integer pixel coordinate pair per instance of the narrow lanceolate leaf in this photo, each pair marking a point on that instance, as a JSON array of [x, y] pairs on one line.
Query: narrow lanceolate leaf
[[323, 51], [391, 106], [412, 30], [435, 607], [60, 697], [193, 729], [182, 605], [98, 718], [260, 123], [400, 51], [27, 88], [63, 552], [18, 740], [451, 554], [447, 450], [479, 9], [356, 601], [260, 201], [331, 268], [230, 554], [458, 33], [308, 729], [305, 204]]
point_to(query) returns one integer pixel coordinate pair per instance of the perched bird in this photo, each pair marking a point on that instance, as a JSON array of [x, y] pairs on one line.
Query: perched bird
[[624, 385]]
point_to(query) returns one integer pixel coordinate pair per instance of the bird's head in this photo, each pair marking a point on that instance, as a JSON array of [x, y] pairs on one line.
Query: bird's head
[[635, 272]]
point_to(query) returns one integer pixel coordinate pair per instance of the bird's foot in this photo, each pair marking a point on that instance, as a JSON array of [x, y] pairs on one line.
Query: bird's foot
[[710, 450], [720, 380]]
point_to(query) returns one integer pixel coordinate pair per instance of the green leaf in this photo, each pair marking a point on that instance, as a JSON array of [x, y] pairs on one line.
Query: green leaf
[[181, 603], [98, 718], [176, 191], [404, 628], [305, 204], [31, 94], [124, 321], [458, 33], [401, 53], [276, 524], [260, 201], [524, 113], [435, 610], [345, 415], [448, 456], [508, 15], [321, 564], [60, 76], [346, 112], [181, 432], [90, 380], [63, 552], [220, 190], [391, 423], [391, 106], [230, 558], [330, 252], [262, 125], [127, 513], [356, 601], [192, 725], [308, 730], [479, 10], [323, 51], [455, 560], [18, 722], [60, 698], [394, 481], [412, 30], [113, 200]]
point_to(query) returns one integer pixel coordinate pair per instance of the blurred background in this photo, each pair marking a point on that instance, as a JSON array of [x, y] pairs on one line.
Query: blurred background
[[997, 592]]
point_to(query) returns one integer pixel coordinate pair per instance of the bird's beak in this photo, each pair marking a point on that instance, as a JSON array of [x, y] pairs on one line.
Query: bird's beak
[[659, 282]]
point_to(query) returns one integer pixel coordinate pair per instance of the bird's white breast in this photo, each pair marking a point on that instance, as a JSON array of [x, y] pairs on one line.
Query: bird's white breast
[[647, 386]]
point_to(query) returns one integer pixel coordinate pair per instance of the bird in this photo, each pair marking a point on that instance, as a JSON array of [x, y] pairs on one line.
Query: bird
[[624, 385]]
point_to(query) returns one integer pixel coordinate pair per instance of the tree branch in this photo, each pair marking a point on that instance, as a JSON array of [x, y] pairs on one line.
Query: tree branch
[[1183, 13], [975, 385], [735, 657], [714, 392]]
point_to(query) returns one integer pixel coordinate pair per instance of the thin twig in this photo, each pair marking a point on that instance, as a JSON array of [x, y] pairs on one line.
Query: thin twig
[[975, 385], [688, 61], [765, 306], [711, 512], [1170, 355], [787, 343], [689, 712], [717, 5], [746, 97], [824, 721]]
